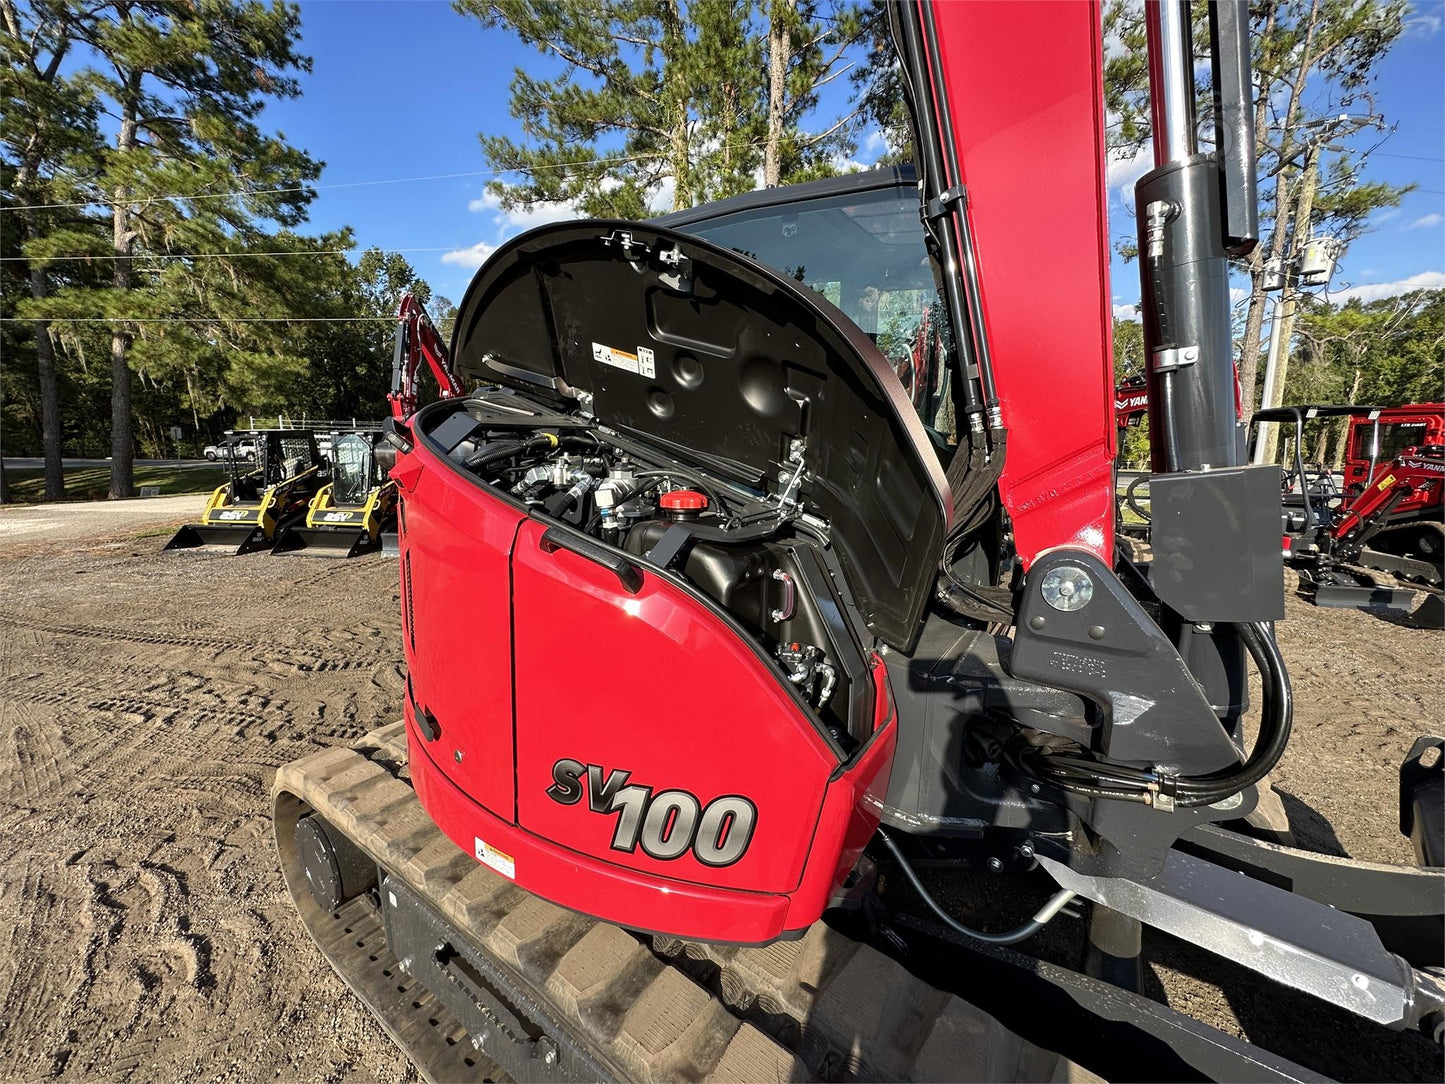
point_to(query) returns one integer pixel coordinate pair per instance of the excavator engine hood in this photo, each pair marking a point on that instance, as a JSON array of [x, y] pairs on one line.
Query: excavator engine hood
[[729, 366]]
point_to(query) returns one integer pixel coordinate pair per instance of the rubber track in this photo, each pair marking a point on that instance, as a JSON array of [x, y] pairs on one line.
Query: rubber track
[[821, 1007], [1410, 568]]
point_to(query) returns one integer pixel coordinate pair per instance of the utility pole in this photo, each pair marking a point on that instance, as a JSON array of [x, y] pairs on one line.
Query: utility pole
[[1294, 273], [1276, 369]]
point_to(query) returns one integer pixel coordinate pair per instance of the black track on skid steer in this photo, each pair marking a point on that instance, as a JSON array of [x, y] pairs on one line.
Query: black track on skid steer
[[474, 977]]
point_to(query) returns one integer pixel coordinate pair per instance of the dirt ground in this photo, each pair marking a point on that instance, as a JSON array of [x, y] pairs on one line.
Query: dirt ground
[[146, 700]]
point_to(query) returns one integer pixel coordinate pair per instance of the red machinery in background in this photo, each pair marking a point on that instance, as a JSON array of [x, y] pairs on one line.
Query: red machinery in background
[[1387, 513]]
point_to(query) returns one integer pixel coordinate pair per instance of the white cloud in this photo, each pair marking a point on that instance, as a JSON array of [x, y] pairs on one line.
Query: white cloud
[[1423, 25], [873, 145], [1425, 222], [522, 218], [1237, 294], [659, 199], [1127, 312], [469, 257], [1124, 170], [505, 224], [1373, 291]]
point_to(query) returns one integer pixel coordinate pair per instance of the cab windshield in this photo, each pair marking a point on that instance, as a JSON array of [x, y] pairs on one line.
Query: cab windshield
[[864, 252]]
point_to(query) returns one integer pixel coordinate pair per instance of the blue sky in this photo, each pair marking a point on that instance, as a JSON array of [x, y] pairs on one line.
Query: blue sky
[[401, 89]]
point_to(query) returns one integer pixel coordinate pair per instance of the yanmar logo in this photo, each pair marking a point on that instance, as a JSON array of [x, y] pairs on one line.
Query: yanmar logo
[[666, 825]]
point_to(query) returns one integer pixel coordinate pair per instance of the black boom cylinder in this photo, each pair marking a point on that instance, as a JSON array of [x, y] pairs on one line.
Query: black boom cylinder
[[1184, 275]]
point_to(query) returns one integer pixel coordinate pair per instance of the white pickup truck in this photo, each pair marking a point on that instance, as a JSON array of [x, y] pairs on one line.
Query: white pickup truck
[[243, 449]]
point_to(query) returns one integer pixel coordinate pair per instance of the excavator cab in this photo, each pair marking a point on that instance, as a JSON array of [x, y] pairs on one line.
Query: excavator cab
[[260, 501], [350, 515]]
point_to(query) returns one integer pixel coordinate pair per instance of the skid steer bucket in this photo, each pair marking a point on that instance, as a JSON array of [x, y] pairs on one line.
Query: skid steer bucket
[[234, 538], [341, 541]]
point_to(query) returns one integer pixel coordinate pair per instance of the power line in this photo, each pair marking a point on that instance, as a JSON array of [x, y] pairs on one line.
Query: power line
[[209, 255], [195, 319], [1411, 157], [615, 160]]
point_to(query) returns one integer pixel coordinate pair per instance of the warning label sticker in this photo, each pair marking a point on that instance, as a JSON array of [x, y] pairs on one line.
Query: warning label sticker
[[500, 861], [642, 363]]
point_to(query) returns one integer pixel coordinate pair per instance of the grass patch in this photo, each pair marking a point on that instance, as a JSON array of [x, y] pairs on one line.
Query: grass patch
[[27, 485]]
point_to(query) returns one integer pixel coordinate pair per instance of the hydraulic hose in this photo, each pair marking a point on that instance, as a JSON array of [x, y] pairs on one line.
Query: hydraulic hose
[[1010, 937], [1276, 720], [1132, 501], [1100, 779], [494, 453]]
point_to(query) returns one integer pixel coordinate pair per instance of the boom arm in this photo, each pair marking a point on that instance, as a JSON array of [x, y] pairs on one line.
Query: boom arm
[[418, 338], [1362, 516]]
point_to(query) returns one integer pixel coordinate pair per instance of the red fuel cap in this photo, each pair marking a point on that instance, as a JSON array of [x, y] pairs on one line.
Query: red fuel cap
[[683, 500]]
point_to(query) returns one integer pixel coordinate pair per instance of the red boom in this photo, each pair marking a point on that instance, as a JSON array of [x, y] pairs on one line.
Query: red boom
[[1043, 246]]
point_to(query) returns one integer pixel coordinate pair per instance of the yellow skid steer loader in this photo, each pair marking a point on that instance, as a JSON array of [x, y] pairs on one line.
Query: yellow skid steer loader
[[249, 511], [349, 516]]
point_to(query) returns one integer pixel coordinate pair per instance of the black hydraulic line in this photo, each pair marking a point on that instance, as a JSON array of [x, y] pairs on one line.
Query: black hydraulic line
[[1100, 779], [1132, 501], [493, 453], [918, 89], [1010, 937], [973, 290], [1274, 728]]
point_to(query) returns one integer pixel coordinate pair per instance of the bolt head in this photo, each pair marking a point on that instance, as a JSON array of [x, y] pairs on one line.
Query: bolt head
[[1096, 632], [457, 755], [1036, 622], [995, 865], [1026, 849], [1067, 588]]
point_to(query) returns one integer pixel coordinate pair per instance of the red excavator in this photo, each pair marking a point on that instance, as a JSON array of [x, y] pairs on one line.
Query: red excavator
[[732, 618]]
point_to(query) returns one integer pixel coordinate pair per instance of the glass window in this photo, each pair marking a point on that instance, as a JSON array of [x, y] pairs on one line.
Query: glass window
[[864, 253], [1394, 439], [351, 470]]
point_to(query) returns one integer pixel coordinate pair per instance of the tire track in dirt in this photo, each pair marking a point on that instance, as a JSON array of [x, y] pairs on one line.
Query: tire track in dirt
[[144, 930], [300, 659]]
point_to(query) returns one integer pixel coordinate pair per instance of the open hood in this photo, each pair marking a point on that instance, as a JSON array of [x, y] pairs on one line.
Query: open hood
[[726, 365]]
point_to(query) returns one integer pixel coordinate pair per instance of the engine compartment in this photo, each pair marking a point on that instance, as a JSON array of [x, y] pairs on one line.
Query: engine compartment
[[758, 556]]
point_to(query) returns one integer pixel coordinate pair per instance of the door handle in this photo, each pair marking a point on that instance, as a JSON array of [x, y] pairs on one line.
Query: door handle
[[628, 574]]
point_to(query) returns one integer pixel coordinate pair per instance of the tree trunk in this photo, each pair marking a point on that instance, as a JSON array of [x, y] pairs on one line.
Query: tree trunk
[[780, 47], [1279, 231], [679, 97], [122, 444], [1342, 427], [4, 482], [44, 355]]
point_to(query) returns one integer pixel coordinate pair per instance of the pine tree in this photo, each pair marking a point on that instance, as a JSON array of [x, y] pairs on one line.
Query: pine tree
[[667, 101], [189, 171], [47, 118]]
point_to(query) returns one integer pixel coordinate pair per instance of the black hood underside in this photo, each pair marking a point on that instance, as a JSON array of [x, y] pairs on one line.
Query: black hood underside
[[727, 365]]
